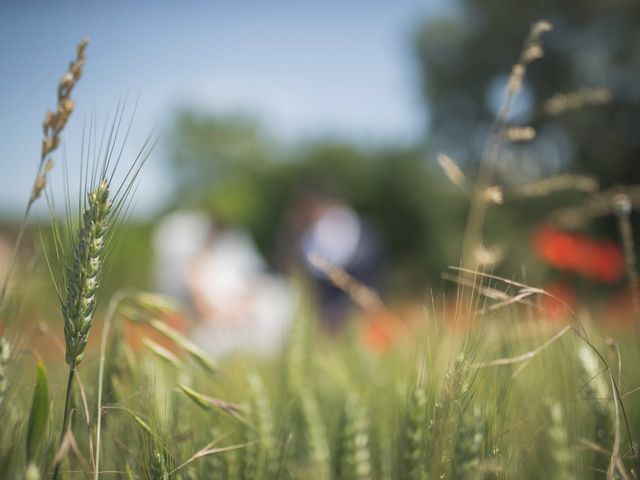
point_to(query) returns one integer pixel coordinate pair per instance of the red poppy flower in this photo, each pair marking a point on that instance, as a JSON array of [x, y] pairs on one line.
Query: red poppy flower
[[578, 253]]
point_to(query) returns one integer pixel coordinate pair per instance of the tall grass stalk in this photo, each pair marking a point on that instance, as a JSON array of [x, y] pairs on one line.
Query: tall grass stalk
[[531, 50], [53, 125], [111, 311], [5, 355], [622, 210]]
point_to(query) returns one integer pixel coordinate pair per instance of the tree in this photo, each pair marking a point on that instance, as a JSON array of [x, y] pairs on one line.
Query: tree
[[465, 61]]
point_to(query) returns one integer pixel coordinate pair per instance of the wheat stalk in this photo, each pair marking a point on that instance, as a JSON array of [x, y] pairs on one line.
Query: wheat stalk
[[83, 280], [363, 296], [599, 394], [85, 264], [5, 354], [53, 125], [111, 311], [531, 51]]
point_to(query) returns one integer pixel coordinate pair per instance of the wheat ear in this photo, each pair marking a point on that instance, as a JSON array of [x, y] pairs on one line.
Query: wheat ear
[[84, 274], [83, 279], [412, 460]]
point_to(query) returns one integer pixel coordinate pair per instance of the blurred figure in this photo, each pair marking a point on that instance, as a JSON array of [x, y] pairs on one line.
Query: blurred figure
[[238, 303], [176, 240], [325, 225]]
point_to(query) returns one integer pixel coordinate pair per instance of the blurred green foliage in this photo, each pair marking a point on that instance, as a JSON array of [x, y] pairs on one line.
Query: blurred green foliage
[[421, 409]]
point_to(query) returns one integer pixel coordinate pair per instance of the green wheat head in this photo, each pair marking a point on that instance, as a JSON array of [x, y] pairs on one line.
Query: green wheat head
[[84, 273], [354, 454], [412, 461]]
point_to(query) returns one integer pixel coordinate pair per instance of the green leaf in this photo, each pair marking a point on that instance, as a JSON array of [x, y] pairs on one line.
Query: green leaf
[[142, 424], [192, 349], [155, 301], [210, 404], [162, 353], [39, 416]]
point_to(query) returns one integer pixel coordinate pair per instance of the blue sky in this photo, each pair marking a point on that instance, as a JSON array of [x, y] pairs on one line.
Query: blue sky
[[304, 68]]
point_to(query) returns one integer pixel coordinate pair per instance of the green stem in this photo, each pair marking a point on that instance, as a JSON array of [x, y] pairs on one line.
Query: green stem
[[23, 227], [115, 301], [67, 404], [14, 254], [626, 233]]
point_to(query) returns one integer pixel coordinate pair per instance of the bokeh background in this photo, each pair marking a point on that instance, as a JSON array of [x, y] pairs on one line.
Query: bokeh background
[[267, 107]]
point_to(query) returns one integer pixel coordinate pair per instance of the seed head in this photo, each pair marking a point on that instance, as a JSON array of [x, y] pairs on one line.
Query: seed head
[[83, 276], [622, 205]]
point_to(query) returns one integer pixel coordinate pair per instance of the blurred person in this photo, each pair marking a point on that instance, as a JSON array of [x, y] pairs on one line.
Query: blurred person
[[176, 240], [239, 304], [325, 225]]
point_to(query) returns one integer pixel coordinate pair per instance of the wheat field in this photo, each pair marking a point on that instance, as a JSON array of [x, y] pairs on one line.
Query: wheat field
[[489, 388]]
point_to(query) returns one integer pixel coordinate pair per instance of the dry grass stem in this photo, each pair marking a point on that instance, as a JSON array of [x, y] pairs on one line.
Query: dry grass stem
[[361, 295], [111, 311], [5, 355], [525, 356], [564, 102], [622, 208], [557, 183], [53, 125], [598, 204], [531, 50]]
